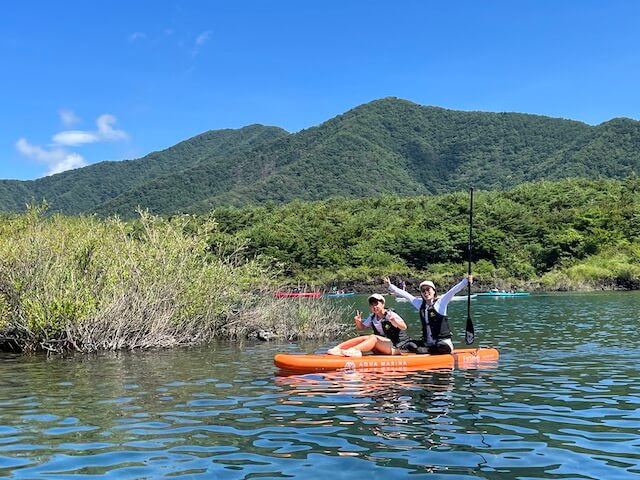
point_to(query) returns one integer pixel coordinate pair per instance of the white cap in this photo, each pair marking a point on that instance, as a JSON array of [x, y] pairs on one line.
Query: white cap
[[376, 296], [427, 283]]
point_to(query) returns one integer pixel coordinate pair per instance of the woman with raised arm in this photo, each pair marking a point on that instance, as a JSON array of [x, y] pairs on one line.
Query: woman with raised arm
[[436, 335]]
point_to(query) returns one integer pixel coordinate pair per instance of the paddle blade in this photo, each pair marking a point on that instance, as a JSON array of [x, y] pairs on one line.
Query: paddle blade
[[469, 336]]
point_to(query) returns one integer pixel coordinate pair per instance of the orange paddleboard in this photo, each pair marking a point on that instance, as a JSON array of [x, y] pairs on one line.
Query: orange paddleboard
[[463, 358]]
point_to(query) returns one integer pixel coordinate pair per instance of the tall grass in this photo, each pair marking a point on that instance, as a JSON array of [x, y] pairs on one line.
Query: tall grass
[[613, 269], [85, 284]]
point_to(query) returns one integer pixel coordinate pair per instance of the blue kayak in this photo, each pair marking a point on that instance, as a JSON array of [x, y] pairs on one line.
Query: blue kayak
[[502, 294], [333, 295]]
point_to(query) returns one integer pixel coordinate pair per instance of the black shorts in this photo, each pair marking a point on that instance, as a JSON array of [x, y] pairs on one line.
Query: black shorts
[[419, 347]]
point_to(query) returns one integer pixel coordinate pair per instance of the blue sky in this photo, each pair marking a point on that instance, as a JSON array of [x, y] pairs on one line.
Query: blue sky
[[84, 82]]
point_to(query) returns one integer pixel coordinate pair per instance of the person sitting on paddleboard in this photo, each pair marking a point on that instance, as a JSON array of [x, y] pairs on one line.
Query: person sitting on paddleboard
[[436, 335], [389, 337]]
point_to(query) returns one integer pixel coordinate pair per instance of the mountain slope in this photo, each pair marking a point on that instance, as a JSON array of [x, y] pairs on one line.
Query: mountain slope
[[83, 189], [386, 146], [395, 146]]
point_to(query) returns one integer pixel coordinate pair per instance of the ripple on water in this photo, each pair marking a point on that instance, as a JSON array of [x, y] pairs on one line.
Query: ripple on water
[[564, 409]]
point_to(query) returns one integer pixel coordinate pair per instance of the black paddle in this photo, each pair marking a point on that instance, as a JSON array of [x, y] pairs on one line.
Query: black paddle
[[469, 336]]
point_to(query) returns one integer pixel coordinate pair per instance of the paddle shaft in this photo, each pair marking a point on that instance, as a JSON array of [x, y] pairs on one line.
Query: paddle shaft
[[469, 331]]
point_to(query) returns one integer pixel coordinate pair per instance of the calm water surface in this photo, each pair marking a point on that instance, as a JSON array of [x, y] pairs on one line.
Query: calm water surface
[[562, 403]]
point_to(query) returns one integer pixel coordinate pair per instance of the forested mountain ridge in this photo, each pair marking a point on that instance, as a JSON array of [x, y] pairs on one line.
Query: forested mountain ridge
[[386, 146], [83, 189]]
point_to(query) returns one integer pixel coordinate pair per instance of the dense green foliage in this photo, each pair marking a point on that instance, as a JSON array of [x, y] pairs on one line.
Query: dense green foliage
[[80, 283], [388, 146], [572, 234], [89, 284]]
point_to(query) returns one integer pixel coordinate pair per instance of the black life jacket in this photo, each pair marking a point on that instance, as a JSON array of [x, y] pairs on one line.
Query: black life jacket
[[389, 330], [439, 324]]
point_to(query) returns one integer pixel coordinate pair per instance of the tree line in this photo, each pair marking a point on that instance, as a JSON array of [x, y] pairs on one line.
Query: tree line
[[570, 234]]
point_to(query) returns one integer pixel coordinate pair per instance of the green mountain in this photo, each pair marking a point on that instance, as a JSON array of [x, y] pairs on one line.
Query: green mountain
[[386, 146], [84, 189]]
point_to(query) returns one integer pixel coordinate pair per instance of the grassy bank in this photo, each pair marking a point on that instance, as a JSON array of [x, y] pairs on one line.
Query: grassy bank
[[84, 284]]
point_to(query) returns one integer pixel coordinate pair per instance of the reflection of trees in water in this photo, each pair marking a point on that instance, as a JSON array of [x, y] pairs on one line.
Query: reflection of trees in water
[[412, 407], [391, 417], [393, 405]]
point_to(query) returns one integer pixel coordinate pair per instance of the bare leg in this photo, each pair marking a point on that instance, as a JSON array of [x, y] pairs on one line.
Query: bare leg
[[352, 342], [366, 343], [383, 346]]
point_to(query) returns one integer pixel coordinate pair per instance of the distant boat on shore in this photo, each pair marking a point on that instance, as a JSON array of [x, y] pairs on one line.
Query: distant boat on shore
[[296, 294], [463, 297], [502, 293]]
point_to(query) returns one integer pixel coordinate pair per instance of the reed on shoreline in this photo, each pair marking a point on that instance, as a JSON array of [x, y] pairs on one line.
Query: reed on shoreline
[[85, 284]]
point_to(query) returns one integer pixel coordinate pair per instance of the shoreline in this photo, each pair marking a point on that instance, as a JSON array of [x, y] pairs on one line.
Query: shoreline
[[478, 287], [288, 319]]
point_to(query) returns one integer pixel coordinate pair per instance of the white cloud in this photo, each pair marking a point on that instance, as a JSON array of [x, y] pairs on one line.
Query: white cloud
[[136, 36], [202, 38], [68, 118], [75, 137], [71, 161], [36, 152], [199, 42], [56, 159], [104, 133]]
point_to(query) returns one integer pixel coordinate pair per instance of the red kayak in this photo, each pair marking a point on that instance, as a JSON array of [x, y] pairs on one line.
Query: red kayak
[[297, 294]]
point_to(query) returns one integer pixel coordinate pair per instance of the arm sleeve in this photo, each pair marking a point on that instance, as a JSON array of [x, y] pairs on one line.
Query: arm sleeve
[[367, 322], [401, 293], [442, 302]]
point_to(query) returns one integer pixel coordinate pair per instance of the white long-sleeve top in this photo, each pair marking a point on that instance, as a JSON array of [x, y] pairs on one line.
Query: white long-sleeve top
[[441, 302]]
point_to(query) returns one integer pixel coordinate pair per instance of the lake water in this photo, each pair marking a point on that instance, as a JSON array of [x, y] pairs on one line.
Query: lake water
[[563, 402]]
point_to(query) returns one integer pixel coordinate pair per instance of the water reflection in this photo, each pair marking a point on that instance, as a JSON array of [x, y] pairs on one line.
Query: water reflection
[[391, 417]]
